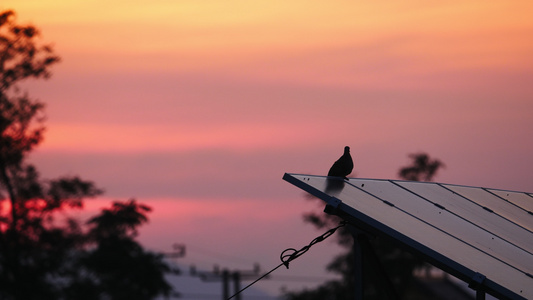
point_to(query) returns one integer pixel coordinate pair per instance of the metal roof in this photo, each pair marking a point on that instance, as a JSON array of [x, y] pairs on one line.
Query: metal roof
[[482, 236]]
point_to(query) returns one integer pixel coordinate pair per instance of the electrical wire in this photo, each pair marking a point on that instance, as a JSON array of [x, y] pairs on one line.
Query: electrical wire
[[287, 258], [219, 255], [296, 278]]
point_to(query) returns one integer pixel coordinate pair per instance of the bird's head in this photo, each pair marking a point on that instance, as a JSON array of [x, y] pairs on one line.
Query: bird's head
[[346, 149]]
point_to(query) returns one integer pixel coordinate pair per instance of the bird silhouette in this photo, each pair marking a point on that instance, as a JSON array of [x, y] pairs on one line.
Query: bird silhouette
[[343, 166]]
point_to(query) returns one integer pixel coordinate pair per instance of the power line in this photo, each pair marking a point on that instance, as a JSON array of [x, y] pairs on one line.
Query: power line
[[220, 255], [296, 278], [237, 293], [293, 278], [225, 276], [215, 296]]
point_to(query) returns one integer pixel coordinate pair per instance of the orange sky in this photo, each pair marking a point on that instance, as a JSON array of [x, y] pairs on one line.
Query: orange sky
[[192, 35], [185, 103]]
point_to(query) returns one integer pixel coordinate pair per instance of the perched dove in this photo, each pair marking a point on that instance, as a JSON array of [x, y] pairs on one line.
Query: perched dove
[[343, 166]]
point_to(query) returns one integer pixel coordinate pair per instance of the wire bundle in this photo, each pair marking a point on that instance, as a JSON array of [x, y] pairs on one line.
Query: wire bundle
[[286, 258]]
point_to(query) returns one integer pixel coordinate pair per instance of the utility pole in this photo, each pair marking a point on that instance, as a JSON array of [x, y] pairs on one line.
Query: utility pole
[[225, 276], [236, 284], [179, 251]]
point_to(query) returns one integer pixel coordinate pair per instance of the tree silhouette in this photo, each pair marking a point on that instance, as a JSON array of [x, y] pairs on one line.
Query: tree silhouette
[[398, 263], [40, 256], [21, 126], [117, 265], [423, 168]]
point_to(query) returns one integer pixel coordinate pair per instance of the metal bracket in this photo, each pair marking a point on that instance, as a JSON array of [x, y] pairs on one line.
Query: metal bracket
[[476, 283], [477, 280], [334, 202], [331, 207]]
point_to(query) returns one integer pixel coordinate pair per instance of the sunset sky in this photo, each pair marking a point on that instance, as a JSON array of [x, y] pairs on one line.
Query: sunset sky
[[198, 108]]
